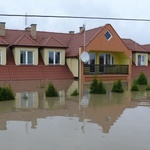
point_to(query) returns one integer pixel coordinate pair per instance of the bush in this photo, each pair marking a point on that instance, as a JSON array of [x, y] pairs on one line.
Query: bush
[[74, 93], [147, 88], [101, 88], [117, 87], [97, 87], [135, 86], [6, 93], [142, 79], [51, 91], [94, 85]]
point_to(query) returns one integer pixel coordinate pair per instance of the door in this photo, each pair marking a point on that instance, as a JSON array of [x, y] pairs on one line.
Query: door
[[92, 62]]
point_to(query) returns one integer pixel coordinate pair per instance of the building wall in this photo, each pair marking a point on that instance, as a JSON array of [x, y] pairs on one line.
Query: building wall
[[16, 53], [3, 53], [115, 46], [45, 55], [73, 65]]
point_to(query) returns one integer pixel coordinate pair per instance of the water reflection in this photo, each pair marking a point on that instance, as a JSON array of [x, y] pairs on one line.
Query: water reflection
[[94, 116]]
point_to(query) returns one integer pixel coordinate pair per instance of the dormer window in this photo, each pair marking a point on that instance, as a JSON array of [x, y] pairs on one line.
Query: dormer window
[[26, 57], [108, 35]]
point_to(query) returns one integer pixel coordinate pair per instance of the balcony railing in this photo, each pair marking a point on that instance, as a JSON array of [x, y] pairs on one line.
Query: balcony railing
[[105, 69]]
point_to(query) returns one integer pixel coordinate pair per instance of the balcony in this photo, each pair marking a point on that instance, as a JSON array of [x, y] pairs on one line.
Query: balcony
[[90, 69]]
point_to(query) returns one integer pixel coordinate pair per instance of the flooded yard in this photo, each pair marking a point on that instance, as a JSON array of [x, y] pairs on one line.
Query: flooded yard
[[86, 122]]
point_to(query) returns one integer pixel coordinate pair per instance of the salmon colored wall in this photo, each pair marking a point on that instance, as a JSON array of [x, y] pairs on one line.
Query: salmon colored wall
[[100, 43], [115, 46]]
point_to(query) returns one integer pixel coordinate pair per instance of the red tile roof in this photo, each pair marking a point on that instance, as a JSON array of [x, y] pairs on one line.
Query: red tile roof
[[51, 42], [13, 72], [25, 40], [147, 47], [3, 42], [71, 42], [133, 46], [77, 40]]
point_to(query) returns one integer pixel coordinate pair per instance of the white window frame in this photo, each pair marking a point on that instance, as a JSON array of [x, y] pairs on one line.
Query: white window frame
[[54, 59], [110, 35], [26, 97], [26, 57], [112, 59], [142, 60]]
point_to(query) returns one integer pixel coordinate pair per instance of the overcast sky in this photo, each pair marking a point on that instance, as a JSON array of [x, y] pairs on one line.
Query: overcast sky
[[138, 31]]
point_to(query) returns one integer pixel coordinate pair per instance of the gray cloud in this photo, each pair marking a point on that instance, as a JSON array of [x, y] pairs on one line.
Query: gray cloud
[[138, 31]]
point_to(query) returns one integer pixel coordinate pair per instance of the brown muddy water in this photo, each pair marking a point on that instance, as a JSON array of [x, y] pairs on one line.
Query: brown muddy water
[[86, 122]]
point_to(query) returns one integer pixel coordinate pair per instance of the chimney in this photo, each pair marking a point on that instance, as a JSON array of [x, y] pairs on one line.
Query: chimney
[[71, 32], [33, 31], [2, 28], [81, 29], [28, 29]]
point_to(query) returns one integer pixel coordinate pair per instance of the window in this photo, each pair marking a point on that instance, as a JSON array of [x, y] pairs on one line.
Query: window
[[106, 59], [141, 60], [27, 100], [0, 57], [54, 58], [92, 62], [26, 57], [108, 35]]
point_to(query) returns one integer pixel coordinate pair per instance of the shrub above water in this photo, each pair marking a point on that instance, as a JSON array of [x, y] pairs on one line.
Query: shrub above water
[[97, 87], [135, 86], [117, 87], [94, 85], [101, 88], [142, 79], [6, 93], [51, 91]]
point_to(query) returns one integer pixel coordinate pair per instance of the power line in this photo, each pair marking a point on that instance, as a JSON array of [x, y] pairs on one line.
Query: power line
[[76, 17]]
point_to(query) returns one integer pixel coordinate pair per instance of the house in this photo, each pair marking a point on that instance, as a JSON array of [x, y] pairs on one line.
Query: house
[[140, 58], [110, 59], [30, 54]]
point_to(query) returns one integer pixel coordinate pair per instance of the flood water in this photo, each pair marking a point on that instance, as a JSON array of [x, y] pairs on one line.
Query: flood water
[[86, 122]]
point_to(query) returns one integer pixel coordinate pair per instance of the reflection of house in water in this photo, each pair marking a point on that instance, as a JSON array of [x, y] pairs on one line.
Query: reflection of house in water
[[27, 100], [100, 110], [141, 98], [103, 110]]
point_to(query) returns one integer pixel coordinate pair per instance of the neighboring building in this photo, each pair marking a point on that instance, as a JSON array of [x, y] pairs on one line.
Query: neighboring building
[[140, 58], [30, 54]]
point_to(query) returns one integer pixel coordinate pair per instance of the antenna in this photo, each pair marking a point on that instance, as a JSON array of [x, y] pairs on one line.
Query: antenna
[[84, 35], [84, 56], [26, 20]]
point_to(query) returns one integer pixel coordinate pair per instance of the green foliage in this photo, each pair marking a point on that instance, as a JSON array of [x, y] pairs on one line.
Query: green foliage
[[97, 87], [135, 86], [101, 88], [117, 87], [147, 88], [51, 91], [6, 93], [75, 93], [142, 79], [94, 85]]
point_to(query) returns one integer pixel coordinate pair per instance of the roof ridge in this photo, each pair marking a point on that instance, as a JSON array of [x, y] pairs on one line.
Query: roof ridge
[[3, 41], [21, 37], [58, 41]]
